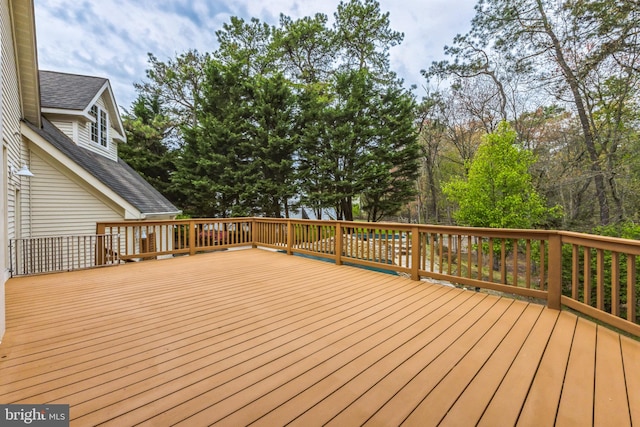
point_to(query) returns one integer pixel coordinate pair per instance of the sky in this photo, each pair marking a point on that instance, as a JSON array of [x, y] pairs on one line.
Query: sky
[[111, 38]]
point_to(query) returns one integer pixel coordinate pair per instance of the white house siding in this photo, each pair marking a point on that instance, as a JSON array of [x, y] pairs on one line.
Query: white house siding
[[66, 127], [13, 148], [4, 151], [11, 115], [85, 137], [4, 254], [61, 206]]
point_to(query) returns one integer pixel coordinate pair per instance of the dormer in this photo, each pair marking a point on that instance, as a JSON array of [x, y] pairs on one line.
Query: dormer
[[84, 109]]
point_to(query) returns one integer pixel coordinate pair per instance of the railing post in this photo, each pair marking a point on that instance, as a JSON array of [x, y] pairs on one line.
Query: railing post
[[338, 243], [101, 250], [253, 231], [289, 237], [192, 237], [11, 258], [415, 253], [554, 289]]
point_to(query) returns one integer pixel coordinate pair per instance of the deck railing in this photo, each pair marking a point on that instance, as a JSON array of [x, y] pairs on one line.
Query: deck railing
[[151, 239], [61, 253], [590, 274]]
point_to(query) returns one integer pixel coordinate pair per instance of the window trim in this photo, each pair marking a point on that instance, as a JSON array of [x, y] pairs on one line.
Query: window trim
[[99, 129]]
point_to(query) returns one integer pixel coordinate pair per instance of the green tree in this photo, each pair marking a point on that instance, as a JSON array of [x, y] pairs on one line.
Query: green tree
[[210, 166], [314, 141], [305, 48], [351, 135], [357, 135], [274, 145], [573, 50], [248, 44], [146, 150], [361, 143], [238, 160], [498, 192], [301, 113], [363, 33], [392, 170], [166, 102], [177, 84]]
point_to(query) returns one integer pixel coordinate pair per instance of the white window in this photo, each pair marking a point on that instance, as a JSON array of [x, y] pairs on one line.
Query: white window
[[99, 126]]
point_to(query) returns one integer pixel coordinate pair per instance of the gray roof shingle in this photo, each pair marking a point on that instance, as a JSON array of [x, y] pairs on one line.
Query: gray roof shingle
[[118, 176], [68, 91]]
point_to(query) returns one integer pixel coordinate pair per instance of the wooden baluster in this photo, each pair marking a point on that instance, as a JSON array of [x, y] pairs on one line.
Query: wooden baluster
[[615, 283], [469, 256], [542, 264], [631, 288], [587, 276], [503, 261], [600, 279]]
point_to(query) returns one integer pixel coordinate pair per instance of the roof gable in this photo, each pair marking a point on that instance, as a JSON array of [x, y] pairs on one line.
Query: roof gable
[[75, 94], [117, 176], [68, 91]]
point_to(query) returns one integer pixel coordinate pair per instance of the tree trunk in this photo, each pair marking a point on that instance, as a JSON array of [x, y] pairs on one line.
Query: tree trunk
[[347, 208], [589, 141], [577, 200], [433, 203]]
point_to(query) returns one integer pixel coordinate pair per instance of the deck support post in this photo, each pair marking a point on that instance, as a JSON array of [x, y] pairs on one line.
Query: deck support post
[[101, 249], [338, 243], [192, 237], [252, 230], [289, 237], [415, 253], [554, 288]]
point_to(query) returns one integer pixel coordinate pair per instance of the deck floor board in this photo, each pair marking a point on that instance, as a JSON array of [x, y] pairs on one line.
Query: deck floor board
[[381, 375], [251, 336], [541, 405], [632, 365], [577, 391], [611, 405]]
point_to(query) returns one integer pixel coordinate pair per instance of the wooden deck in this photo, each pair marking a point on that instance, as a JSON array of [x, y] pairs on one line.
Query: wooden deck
[[251, 336]]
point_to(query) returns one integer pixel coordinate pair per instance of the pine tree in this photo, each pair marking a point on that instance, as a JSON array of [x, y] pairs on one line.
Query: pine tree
[[393, 167], [210, 165], [146, 150], [274, 146]]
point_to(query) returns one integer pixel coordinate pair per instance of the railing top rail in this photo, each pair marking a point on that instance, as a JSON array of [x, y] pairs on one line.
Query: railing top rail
[[61, 236], [407, 226], [434, 228], [234, 219], [571, 236], [475, 231], [171, 221], [303, 221]]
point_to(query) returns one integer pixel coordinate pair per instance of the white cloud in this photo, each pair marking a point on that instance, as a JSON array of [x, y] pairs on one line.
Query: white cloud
[[111, 38]]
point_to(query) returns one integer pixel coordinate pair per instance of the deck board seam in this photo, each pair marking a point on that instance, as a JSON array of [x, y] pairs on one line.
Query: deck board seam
[[333, 332], [503, 336], [364, 286], [285, 325], [362, 354], [447, 302], [408, 357], [270, 350]]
